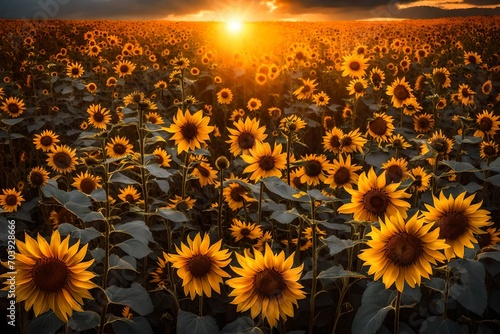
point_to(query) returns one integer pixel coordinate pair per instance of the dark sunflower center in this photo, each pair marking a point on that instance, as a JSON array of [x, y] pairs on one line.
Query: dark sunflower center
[[152, 119], [375, 201], [203, 171], [346, 141], [306, 89], [472, 59], [46, 140], [358, 87], [87, 185], [159, 159], [401, 93], [124, 69], [489, 150], [378, 126], [266, 162], [329, 123], [299, 56], [50, 274], [246, 140], [224, 95], [376, 79], [269, 283], [483, 240], [130, 198], [313, 168], [13, 108], [403, 249], [452, 225], [335, 142], [354, 66], [98, 117], [465, 92], [418, 181], [119, 149], [394, 174], [75, 71], [342, 176], [245, 231], [424, 123], [137, 98], [189, 131], [486, 124], [439, 78], [62, 160], [36, 179], [199, 265], [11, 199], [236, 193], [440, 145]]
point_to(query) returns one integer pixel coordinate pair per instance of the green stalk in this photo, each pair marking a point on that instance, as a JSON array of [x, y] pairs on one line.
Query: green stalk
[[314, 266], [261, 198], [221, 197], [185, 169], [397, 310], [288, 152], [446, 293]]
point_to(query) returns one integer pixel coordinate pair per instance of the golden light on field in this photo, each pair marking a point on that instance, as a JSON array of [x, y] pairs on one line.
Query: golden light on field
[[234, 26]]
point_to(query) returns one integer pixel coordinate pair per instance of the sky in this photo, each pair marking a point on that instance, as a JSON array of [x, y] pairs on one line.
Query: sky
[[245, 10]]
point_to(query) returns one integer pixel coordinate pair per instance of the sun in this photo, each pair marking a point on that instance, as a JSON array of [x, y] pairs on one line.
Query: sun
[[234, 26]]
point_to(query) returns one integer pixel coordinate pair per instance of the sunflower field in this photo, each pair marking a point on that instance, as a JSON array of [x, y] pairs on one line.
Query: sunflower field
[[292, 177]]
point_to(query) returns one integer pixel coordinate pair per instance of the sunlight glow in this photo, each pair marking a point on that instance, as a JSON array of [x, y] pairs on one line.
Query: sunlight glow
[[234, 26]]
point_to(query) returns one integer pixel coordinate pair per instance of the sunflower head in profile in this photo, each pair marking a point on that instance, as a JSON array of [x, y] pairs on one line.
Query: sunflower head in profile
[[86, 182], [402, 251], [458, 220], [264, 161], [62, 159], [489, 239], [190, 131], [204, 173], [400, 91], [421, 179], [246, 134], [99, 117], [343, 173], [243, 231], [119, 147], [487, 124], [354, 65], [381, 127], [267, 284], [11, 199], [306, 90], [13, 106], [200, 265], [161, 157], [52, 276], [161, 276], [374, 198], [292, 124]]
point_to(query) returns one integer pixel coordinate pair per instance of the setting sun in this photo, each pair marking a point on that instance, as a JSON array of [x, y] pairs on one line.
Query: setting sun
[[234, 26]]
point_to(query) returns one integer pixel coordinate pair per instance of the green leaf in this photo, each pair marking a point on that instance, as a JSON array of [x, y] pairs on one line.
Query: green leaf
[[46, 323], [136, 325], [82, 321], [495, 180], [84, 235], [495, 255], [337, 245], [494, 165], [459, 167], [135, 248], [173, 215], [190, 323], [335, 272], [240, 325], [67, 90], [435, 283], [115, 262], [163, 184], [377, 158], [12, 121], [468, 140], [157, 171], [318, 196], [285, 217], [375, 304], [98, 195], [137, 229], [493, 298], [411, 295], [136, 297], [280, 188], [471, 289], [120, 178], [438, 325]]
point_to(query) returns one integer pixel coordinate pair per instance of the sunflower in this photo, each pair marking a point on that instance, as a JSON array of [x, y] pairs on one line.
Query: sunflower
[[135, 97], [266, 239], [465, 95], [199, 265], [411, 107], [11, 199], [267, 285], [52, 276], [46, 140], [380, 127], [74, 70], [400, 91], [374, 198], [161, 157], [441, 77], [61, 216], [357, 87], [190, 131], [472, 58], [488, 150], [489, 239], [244, 137], [458, 220], [154, 118], [423, 123], [224, 96], [245, 231], [441, 144], [119, 147], [13, 106], [86, 182], [99, 117], [180, 63], [421, 179], [313, 169], [204, 173], [306, 90], [254, 104], [377, 77], [352, 142], [487, 87], [38, 177], [488, 124], [402, 251], [62, 159], [91, 87], [399, 142], [292, 123], [321, 99], [236, 195], [129, 194], [332, 140], [396, 170], [162, 85], [124, 68], [354, 65], [264, 162], [161, 275], [343, 173]]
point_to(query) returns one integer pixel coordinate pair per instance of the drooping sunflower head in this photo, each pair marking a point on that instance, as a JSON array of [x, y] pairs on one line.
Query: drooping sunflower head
[[489, 239], [200, 265], [236, 194], [190, 131], [402, 251], [161, 275], [458, 220]]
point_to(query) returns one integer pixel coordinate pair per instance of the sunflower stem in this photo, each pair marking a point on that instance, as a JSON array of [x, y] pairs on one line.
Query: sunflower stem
[[182, 90], [288, 152], [446, 293], [200, 305], [185, 169], [343, 291], [314, 265], [369, 150], [397, 309], [221, 197], [261, 198]]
